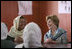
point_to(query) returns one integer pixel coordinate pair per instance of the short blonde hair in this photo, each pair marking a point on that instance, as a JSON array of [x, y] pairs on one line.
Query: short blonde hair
[[54, 18]]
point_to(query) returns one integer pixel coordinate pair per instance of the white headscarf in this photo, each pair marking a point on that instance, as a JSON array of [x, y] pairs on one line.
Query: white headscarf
[[14, 29], [16, 22], [4, 31], [32, 36]]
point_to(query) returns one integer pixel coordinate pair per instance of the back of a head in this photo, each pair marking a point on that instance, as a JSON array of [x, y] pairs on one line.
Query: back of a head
[[4, 31], [32, 36]]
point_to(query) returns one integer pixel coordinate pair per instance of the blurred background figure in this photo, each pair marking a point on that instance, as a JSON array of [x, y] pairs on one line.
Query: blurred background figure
[[5, 43]]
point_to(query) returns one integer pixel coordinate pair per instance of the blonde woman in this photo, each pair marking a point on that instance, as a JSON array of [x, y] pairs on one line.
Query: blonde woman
[[55, 34]]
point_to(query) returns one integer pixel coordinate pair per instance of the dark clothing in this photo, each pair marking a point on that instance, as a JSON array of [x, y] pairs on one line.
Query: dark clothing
[[7, 44], [10, 38]]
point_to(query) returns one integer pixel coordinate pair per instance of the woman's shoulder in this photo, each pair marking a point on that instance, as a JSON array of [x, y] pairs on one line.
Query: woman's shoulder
[[12, 28], [61, 30], [48, 33]]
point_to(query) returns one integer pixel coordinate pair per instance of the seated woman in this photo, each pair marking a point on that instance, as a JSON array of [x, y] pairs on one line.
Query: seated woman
[[16, 31], [5, 43], [55, 34], [31, 36]]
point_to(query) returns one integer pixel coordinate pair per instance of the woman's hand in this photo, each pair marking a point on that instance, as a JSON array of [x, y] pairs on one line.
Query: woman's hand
[[49, 40], [18, 40]]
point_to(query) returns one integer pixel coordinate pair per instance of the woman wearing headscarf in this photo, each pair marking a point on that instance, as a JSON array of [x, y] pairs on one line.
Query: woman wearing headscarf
[[55, 34], [31, 36], [4, 32], [16, 31]]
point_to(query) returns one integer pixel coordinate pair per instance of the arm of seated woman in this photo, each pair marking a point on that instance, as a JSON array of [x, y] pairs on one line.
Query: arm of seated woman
[[18, 40], [49, 40]]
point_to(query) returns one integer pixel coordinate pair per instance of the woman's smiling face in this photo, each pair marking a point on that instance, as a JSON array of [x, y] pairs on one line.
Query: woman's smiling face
[[50, 23]]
